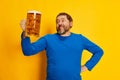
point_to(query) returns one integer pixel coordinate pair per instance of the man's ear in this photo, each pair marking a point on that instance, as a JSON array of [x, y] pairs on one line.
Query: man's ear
[[71, 24]]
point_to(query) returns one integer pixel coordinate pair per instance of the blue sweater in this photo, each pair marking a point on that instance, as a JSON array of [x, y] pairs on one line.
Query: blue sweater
[[63, 54]]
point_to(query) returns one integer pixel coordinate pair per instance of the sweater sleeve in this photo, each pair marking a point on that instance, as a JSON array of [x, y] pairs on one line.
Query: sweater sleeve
[[96, 51], [29, 48]]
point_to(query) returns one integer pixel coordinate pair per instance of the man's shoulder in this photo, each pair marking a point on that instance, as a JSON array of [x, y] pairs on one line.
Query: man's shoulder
[[47, 36], [76, 34]]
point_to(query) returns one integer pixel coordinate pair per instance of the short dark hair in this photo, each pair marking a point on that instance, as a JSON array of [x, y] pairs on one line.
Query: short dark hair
[[67, 15]]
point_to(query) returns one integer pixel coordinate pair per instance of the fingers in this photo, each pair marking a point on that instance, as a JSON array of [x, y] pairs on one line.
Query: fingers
[[23, 24]]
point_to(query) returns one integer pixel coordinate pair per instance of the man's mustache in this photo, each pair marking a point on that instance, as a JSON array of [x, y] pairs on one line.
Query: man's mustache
[[60, 26]]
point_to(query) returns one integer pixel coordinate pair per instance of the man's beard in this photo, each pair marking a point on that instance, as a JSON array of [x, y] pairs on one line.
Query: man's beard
[[62, 32]]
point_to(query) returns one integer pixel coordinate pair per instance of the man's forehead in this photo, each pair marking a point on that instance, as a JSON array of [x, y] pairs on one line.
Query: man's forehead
[[62, 17]]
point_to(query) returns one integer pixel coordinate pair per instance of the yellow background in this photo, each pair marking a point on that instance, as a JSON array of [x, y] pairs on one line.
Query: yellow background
[[98, 20]]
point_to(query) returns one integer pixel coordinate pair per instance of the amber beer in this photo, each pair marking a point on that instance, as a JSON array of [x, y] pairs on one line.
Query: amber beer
[[33, 23]]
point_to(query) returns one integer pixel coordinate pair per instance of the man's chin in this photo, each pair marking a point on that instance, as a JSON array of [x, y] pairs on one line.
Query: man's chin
[[61, 33]]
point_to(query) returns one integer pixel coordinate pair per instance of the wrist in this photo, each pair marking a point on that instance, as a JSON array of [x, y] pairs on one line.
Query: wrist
[[23, 34]]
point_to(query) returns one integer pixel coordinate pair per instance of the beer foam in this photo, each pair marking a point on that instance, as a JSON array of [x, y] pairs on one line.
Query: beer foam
[[34, 11]]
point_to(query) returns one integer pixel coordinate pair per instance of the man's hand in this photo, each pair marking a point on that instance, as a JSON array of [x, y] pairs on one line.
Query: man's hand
[[83, 68], [23, 24]]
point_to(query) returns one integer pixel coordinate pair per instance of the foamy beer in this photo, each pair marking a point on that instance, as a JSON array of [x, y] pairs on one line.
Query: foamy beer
[[33, 23]]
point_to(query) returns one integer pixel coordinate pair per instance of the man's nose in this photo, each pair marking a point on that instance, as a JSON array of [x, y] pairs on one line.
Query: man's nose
[[60, 23]]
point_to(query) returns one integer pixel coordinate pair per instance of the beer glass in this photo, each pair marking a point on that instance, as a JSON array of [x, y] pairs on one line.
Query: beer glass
[[33, 23]]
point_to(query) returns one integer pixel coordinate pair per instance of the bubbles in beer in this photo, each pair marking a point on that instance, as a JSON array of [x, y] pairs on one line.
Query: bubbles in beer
[[33, 23]]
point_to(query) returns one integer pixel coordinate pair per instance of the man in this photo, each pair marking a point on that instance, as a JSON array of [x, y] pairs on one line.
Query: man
[[63, 50]]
